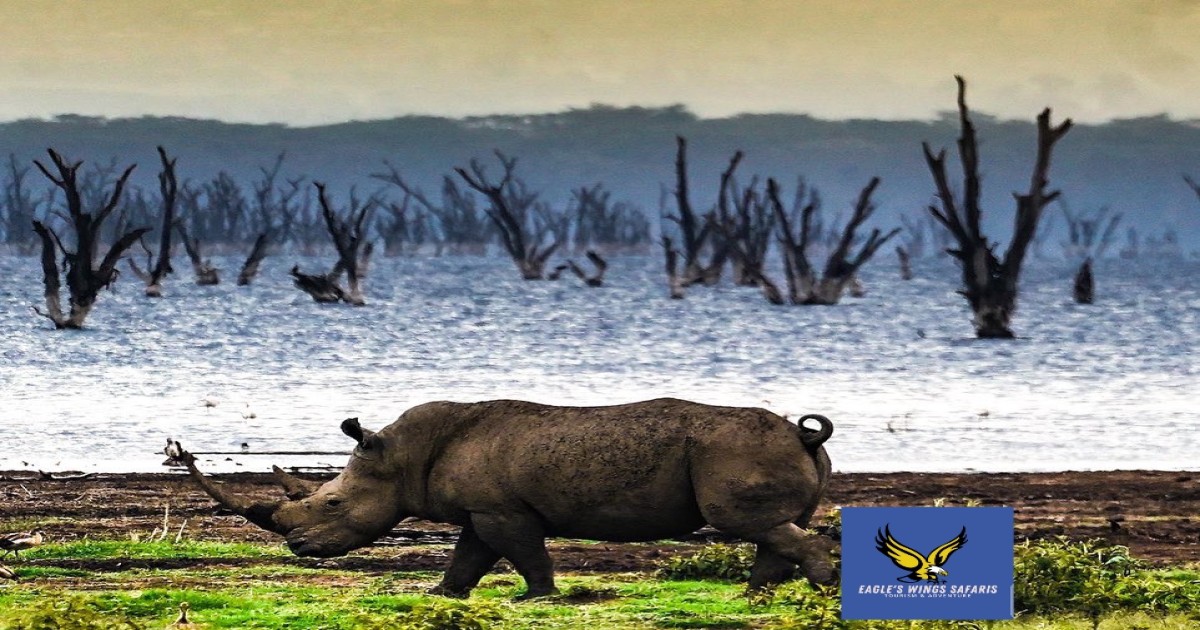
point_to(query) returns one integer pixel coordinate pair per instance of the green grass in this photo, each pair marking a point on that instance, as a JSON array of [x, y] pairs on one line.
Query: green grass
[[272, 595], [107, 549]]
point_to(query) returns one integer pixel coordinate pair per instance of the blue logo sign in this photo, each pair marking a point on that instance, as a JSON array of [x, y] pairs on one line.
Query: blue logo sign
[[927, 563]]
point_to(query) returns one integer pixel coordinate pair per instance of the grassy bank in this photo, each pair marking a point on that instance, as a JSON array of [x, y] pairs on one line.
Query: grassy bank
[[1061, 585]]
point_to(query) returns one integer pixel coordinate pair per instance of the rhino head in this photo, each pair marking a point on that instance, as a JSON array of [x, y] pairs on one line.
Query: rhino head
[[349, 511]]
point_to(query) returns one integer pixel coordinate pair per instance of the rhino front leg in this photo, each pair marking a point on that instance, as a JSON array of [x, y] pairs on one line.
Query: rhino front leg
[[520, 539], [472, 560]]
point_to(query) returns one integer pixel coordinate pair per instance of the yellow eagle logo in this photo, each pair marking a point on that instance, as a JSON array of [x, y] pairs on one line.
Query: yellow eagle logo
[[920, 567]]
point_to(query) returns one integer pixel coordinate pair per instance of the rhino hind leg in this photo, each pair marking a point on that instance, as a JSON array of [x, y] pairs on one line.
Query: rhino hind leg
[[769, 568], [789, 542], [472, 559], [520, 539]]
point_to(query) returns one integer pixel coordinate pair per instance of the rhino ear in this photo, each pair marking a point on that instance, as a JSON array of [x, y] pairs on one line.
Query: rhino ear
[[351, 428]]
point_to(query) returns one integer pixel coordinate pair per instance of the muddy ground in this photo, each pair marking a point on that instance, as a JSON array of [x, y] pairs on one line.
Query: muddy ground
[[1155, 513]]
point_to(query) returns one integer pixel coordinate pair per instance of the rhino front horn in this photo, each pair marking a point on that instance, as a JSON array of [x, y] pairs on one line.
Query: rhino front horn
[[260, 513], [294, 487]]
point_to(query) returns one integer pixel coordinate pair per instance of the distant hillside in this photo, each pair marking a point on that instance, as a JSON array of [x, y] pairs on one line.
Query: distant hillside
[[1132, 165]]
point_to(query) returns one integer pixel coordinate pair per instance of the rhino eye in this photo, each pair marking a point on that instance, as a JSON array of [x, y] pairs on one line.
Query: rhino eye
[[333, 502]]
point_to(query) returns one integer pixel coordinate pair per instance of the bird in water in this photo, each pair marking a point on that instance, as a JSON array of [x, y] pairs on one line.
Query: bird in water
[[18, 542]]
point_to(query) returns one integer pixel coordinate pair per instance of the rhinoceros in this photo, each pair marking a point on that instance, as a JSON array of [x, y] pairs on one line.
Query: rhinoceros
[[512, 473]]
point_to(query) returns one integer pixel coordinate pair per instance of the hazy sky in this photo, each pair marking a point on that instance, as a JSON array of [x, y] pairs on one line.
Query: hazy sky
[[304, 62]]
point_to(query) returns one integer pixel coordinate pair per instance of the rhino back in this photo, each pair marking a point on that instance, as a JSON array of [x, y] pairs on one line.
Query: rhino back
[[625, 472]]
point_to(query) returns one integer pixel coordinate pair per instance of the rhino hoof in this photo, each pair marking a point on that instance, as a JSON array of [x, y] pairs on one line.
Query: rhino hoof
[[536, 593], [821, 573], [442, 591]]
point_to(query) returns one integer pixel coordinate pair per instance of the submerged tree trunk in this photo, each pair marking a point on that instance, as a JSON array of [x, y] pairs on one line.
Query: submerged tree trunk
[[509, 209], [674, 282], [902, 255], [206, 274], [1087, 242], [695, 231], [746, 223], [250, 267], [839, 274], [596, 279], [169, 189], [84, 278], [354, 253], [322, 289], [1085, 284], [989, 284]]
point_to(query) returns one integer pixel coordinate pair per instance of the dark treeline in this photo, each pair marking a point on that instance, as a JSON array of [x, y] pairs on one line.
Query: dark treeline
[[1132, 167]]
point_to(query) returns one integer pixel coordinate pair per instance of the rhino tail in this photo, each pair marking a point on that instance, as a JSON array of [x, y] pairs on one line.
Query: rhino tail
[[813, 438]]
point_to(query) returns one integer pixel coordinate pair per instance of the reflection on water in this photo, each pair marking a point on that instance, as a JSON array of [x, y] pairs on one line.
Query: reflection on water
[[1108, 386]]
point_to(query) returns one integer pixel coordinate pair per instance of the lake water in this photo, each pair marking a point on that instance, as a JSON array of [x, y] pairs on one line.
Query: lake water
[[1108, 386]]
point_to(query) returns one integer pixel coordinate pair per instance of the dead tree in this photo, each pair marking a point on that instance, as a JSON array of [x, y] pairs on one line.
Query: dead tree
[[95, 184], [695, 231], [462, 229], [594, 280], [84, 278], [250, 268], [913, 247], [674, 282], [277, 212], [603, 224], [841, 268], [353, 250], [20, 209], [206, 274], [906, 272], [1085, 284], [990, 284], [512, 209], [168, 187], [1090, 235], [226, 210], [746, 228], [400, 230], [1132, 246], [1193, 185], [914, 235], [591, 216]]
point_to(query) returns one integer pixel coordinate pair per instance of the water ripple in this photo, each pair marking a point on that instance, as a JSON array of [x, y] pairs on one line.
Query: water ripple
[[1107, 386]]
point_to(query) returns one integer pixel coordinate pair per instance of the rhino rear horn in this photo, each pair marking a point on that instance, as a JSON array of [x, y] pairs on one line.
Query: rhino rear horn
[[294, 487], [812, 438]]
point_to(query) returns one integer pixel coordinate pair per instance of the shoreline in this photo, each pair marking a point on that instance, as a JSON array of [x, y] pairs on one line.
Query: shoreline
[[1156, 513], [215, 468]]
